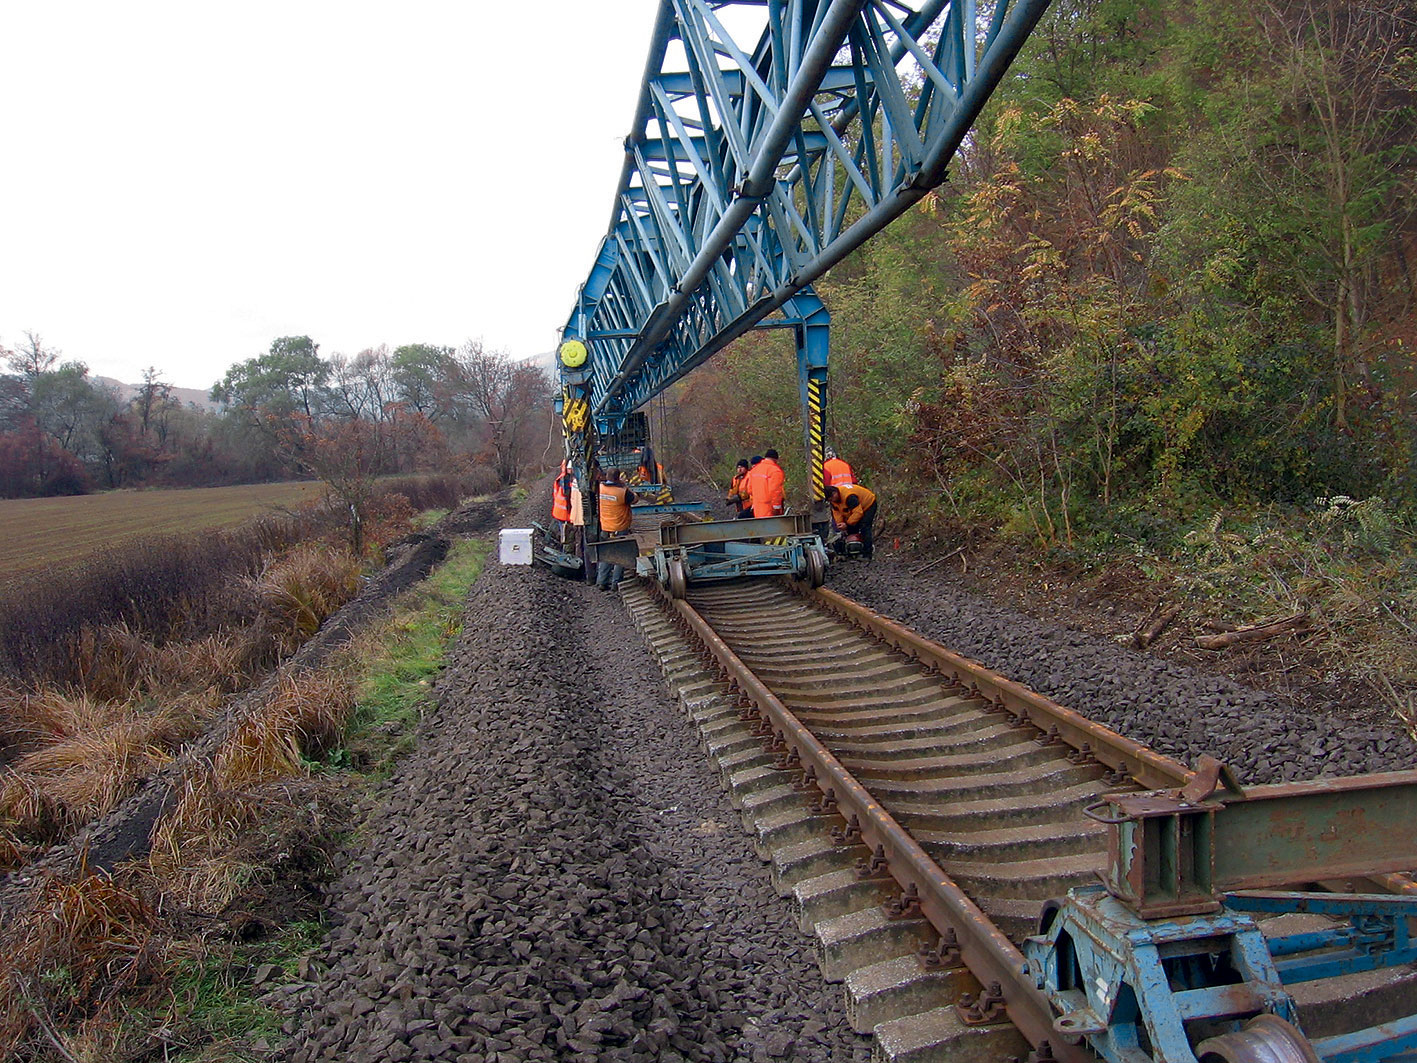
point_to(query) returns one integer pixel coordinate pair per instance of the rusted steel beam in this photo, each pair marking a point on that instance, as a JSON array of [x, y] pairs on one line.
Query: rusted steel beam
[[1173, 853], [718, 531], [983, 948], [1325, 829], [1149, 768]]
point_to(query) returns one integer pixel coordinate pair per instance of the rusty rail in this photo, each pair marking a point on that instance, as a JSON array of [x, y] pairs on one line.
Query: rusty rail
[[972, 936], [983, 948], [1150, 769]]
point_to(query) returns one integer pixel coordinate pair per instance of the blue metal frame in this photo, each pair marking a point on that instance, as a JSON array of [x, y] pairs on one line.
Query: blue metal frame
[[1392, 1042], [1114, 975], [1110, 972], [754, 166], [1376, 934], [731, 559], [669, 507]]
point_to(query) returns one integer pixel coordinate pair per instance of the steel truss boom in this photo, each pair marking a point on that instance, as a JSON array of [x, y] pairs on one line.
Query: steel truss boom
[[753, 166]]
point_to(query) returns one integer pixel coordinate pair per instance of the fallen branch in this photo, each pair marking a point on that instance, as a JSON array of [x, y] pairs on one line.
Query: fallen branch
[[1148, 633], [932, 564], [1254, 632]]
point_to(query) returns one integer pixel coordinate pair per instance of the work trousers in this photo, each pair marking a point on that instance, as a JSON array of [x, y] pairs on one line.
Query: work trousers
[[608, 574], [863, 529]]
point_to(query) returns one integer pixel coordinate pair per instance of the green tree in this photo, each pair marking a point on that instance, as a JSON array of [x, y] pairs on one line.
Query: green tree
[[420, 375], [289, 378]]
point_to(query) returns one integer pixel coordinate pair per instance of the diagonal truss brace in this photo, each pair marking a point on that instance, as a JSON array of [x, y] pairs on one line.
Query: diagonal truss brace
[[772, 138]]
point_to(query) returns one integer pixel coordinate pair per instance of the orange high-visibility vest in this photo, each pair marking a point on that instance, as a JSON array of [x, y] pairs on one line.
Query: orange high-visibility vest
[[561, 496], [737, 491], [847, 514], [615, 514], [836, 473]]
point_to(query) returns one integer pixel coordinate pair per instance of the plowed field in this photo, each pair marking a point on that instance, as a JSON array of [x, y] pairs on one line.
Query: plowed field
[[36, 532]]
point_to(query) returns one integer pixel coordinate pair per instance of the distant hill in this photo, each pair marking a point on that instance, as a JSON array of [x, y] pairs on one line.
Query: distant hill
[[186, 396]]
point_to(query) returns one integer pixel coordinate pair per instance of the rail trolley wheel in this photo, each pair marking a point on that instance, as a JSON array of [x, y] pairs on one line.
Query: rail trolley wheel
[[816, 568], [678, 584], [1264, 1039]]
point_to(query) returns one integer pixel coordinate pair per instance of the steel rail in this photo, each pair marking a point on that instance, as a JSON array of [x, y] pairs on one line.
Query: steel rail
[[976, 942], [1151, 770], [985, 950]]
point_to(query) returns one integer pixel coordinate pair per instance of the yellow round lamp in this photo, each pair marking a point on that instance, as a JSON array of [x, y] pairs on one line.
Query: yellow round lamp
[[573, 354]]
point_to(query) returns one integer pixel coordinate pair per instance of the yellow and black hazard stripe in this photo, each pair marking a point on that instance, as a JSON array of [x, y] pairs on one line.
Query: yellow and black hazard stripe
[[815, 389], [575, 414]]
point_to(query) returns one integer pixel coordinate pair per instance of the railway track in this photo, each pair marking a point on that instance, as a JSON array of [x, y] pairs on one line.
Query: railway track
[[921, 813]]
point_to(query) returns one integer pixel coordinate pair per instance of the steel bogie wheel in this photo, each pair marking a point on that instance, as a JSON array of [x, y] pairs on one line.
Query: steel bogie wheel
[[1264, 1039], [816, 568], [678, 583]]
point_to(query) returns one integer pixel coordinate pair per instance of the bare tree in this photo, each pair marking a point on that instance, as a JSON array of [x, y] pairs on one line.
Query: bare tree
[[33, 358], [511, 400], [152, 402]]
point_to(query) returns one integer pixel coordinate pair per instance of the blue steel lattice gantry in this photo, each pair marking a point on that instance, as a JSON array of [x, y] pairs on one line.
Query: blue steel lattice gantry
[[758, 159], [754, 165]]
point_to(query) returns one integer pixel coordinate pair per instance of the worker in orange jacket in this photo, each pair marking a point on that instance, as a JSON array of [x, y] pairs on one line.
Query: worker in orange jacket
[[561, 500], [854, 512], [738, 497], [765, 484], [835, 472], [615, 500], [649, 471]]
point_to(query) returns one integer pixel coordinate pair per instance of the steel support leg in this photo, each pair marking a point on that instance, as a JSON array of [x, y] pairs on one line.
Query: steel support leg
[[813, 337]]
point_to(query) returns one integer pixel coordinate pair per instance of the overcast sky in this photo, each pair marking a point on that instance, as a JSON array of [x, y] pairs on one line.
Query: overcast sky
[[185, 181]]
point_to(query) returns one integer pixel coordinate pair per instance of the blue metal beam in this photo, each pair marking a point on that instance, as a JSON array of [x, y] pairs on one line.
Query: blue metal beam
[[760, 157]]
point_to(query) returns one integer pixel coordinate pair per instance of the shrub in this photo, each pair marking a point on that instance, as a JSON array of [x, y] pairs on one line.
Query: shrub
[[298, 590], [83, 941], [163, 589], [483, 480], [426, 492]]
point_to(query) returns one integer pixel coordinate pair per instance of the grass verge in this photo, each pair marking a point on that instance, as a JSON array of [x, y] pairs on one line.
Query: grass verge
[[397, 663], [216, 1000], [225, 907]]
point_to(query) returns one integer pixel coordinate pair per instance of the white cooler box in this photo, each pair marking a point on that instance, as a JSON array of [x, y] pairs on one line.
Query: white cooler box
[[514, 546]]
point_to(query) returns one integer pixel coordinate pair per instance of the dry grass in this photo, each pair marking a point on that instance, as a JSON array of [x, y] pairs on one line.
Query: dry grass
[[164, 589], [13, 852], [116, 662], [95, 953], [83, 942], [48, 715], [299, 590], [84, 757], [75, 755], [205, 850]]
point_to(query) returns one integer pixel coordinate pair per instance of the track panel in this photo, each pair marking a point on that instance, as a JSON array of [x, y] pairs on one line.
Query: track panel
[[1024, 796]]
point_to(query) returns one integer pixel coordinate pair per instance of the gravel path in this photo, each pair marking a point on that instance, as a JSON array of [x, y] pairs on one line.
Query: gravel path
[[1177, 710], [555, 873]]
